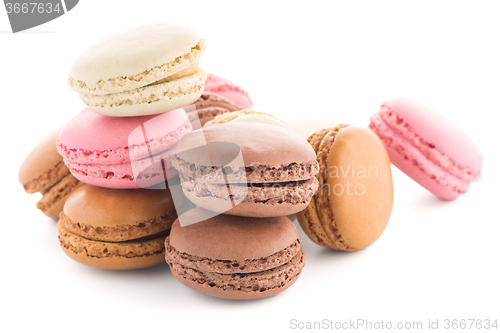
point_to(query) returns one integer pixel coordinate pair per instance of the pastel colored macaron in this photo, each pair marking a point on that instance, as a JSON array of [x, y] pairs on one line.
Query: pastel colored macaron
[[207, 107], [122, 152], [247, 169], [235, 257], [116, 229], [147, 70], [307, 126], [229, 90], [43, 171], [428, 147], [247, 116], [354, 201]]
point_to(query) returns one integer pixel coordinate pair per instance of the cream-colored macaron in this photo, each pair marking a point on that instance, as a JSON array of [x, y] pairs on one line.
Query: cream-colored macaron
[[146, 70], [247, 116], [306, 127]]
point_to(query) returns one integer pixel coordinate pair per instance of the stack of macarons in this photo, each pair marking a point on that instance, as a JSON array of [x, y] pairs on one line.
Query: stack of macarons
[[134, 85], [245, 177]]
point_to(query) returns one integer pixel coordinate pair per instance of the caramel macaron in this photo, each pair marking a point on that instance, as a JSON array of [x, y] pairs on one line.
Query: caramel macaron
[[116, 229], [43, 171], [354, 201], [247, 169], [234, 257]]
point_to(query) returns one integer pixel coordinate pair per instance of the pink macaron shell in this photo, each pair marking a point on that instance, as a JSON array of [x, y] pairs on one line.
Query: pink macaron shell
[[421, 160], [227, 89], [90, 138], [437, 130], [137, 174], [425, 176]]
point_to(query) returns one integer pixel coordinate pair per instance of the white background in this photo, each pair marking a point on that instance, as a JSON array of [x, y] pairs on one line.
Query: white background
[[336, 60]]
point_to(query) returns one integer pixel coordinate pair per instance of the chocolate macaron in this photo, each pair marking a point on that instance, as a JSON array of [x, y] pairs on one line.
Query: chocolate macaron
[[234, 257], [43, 171], [247, 169], [116, 229], [208, 106], [354, 201]]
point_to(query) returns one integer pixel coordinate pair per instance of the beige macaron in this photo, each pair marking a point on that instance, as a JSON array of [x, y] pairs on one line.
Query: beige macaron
[[146, 70], [306, 127], [355, 196], [247, 116]]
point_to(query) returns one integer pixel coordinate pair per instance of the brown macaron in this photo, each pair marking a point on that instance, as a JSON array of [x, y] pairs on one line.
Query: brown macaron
[[247, 169], [234, 257], [116, 229], [354, 201], [43, 170], [208, 106]]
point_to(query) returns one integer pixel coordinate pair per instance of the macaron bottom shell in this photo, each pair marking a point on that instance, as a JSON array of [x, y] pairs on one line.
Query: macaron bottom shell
[[236, 285], [254, 201], [52, 201], [133, 254]]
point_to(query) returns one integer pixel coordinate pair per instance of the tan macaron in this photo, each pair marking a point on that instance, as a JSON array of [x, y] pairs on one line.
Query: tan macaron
[[354, 201], [116, 229], [43, 171], [146, 70]]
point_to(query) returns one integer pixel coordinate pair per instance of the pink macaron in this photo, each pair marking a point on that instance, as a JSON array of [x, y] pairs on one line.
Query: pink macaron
[[227, 89], [128, 152], [428, 147]]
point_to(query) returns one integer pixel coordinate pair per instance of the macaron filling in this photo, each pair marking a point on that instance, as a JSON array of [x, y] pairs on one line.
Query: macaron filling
[[148, 94], [46, 179], [142, 247], [123, 83], [233, 266], [57, 192], [249, 174], [299, 192], [119, 233], [251, 276]]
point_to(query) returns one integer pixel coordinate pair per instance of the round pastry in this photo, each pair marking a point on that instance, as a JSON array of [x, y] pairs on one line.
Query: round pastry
[[116, 229], [428, 147], [235, 257], [229, 90], [207, 107], [147, 70], [247, 169], [122, 152], [354, 200], [43, 170], [247, 116], [307, 127]]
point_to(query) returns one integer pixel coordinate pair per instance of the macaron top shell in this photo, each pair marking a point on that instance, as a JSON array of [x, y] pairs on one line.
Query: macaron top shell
[[435, 131], [226, 237], [40, 160], [260, 144], [135, 58], [89, 132], [102, 207], [359, 192]]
